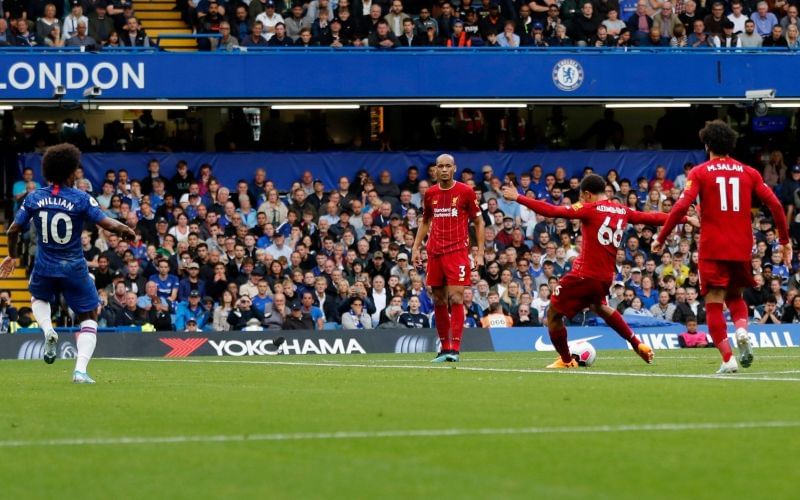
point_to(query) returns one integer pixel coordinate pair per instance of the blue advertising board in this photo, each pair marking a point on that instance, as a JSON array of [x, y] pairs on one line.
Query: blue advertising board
[[659, 338], [403, 74], [285, 168]]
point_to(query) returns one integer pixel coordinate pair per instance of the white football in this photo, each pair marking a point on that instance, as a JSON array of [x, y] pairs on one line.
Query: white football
[[583, 352]]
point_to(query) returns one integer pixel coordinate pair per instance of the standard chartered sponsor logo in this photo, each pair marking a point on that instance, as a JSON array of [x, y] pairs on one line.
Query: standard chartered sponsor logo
[[72, 75]]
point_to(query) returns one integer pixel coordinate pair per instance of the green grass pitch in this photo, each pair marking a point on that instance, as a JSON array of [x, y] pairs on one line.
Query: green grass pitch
[[395, 426]]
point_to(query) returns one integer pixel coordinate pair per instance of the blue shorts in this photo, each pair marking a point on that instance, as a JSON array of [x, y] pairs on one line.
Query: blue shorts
[[78, 291]]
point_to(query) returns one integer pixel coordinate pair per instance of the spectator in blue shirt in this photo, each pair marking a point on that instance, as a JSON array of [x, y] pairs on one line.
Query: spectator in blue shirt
[[167, 283], [20, 188], [308, 307], [764, 19], [191, 309], [191, 283]]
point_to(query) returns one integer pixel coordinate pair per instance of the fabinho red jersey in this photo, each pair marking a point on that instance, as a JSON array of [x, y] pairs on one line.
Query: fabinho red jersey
[[449, 212]]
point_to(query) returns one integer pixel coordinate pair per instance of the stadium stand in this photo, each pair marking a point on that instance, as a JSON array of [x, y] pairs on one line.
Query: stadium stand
[[247, 253], [392, 24]]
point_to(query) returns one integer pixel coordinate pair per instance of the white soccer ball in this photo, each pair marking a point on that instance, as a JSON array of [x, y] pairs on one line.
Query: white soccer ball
[[583, 352]]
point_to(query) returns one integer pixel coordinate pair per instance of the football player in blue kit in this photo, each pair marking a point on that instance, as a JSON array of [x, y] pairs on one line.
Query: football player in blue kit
[[58, 212]]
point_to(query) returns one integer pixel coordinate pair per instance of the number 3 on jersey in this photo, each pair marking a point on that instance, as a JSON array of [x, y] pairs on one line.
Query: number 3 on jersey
[[52, 230], [608, 236]]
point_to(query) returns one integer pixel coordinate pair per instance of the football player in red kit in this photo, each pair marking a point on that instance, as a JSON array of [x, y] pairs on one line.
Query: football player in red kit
[[726, 188], [603, 224], [448, 207]]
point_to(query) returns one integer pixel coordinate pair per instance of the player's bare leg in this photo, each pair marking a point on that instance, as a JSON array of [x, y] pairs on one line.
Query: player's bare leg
[[719, 329], [614, 319], [738, 308], [441, 314], [43, 314], [86, 341], [455, 297], [558, 336]]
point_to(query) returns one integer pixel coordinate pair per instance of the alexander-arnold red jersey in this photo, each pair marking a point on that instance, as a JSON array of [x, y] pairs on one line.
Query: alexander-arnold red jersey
[[449, 212], [726, 189], [603, 225]]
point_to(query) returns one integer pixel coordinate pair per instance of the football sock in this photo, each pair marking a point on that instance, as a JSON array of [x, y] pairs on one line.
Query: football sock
[[87, 339], [718, 329], [618, 324], [457, 325], [41, 311], [442, 315], [738, 309], [558, 336]]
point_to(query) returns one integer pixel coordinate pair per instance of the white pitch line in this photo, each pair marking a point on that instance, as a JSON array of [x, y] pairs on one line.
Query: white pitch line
[[467, 368], [401, 433]]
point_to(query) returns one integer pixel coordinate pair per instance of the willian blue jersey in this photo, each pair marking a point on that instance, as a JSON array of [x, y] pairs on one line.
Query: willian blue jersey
[[58, 214]]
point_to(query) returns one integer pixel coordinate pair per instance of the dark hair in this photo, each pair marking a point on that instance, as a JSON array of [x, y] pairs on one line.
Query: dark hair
[[60, 162], [593, 184], [718, 137], [691, 318]]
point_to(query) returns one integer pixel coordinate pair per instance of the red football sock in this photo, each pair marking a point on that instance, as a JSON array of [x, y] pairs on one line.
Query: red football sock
[[718, 329], [442, 316], [738, 309], [558, 336], [618, 324], [457, 324]]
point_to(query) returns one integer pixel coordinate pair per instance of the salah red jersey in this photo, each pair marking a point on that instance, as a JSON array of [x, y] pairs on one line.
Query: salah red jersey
[[449, 212], [603, 225], [726, 188]]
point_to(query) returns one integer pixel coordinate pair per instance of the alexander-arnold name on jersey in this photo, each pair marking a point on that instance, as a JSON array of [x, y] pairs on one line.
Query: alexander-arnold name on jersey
[[611, 210]]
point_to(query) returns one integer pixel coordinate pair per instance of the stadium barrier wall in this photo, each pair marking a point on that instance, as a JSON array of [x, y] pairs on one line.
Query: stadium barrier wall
[[285, 168], [416, 74], [261, 343]]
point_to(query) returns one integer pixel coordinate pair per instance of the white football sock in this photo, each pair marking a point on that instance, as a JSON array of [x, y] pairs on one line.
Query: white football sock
[[87, 339], [41, 311]]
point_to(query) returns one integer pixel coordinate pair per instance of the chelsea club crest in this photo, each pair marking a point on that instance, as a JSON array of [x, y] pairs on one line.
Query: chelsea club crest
[[568, 75]]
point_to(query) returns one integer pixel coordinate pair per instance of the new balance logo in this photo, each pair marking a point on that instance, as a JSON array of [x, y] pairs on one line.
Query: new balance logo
[[182, 347]]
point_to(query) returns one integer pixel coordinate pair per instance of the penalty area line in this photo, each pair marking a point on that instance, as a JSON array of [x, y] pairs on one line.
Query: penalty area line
[[575, 372], [401, 433]]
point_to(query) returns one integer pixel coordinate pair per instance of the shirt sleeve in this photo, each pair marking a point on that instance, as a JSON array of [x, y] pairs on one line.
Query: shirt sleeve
[[427, 208], [25, 212], [571, 212], [773, 203], [93, 211], [473, 208], [682, 206]]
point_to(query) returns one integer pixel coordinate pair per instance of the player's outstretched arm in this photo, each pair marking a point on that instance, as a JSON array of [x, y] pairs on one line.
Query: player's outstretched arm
[[8, 264], [657, 218], [510, 193], [117, 227], [678, 212], [779, 216]]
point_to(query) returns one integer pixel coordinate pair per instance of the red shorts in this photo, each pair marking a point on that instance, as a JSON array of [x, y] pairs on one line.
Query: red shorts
[[730, 274], [576, 293], [451, 269]]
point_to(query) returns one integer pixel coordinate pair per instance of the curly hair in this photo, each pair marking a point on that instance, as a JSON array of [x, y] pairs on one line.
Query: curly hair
[[718, 137], [60, 162], [593, 184]]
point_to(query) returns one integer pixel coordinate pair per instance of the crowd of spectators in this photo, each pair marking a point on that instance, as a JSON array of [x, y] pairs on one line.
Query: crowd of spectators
[[92, 24], [388, 24], [505, 23], [249, 256]]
